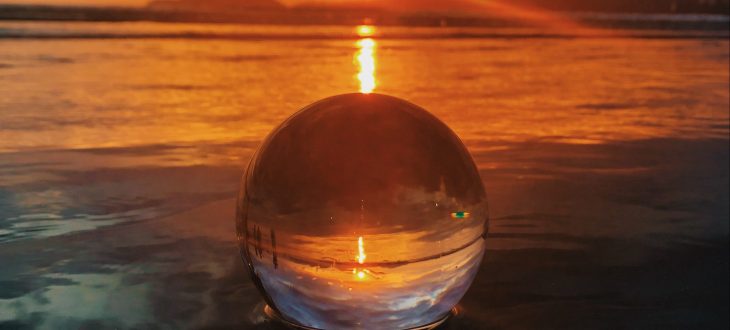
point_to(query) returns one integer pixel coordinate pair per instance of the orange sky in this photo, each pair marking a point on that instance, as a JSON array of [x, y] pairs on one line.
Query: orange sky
[[401, 4], [504, 8], [81, 2]]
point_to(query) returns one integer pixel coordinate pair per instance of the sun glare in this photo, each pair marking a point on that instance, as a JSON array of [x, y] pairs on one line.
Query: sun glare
[[365, 30]]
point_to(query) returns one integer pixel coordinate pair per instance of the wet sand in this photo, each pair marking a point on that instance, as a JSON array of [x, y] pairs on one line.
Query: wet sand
[[627, 242]]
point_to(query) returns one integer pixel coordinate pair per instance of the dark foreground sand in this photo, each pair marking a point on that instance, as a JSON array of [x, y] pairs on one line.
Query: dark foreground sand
[[600, 239]]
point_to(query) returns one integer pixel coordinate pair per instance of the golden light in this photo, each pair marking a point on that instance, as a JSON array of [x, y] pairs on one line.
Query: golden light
[[367, 43], [365, 30], [545, 18], [360, 257], [365, 58]]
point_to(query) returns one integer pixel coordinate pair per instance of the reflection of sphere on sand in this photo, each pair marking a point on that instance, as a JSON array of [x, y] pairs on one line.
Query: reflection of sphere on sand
[[362, 211]]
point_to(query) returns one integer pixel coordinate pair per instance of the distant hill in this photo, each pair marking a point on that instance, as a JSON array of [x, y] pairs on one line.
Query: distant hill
[[397, 12], [215, 5], [455, 6], [721, 7]]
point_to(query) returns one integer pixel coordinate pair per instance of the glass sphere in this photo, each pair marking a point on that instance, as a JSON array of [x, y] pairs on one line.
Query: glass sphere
[[362, 211]]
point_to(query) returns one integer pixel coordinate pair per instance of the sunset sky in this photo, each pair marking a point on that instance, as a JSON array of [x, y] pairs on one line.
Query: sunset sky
[[81, 2], [143, 2], [521, 8], [402, 5], [433, 4]]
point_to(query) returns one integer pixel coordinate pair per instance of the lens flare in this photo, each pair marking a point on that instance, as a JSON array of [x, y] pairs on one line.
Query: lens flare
[[549, 19], [365, 58], [460, 214]]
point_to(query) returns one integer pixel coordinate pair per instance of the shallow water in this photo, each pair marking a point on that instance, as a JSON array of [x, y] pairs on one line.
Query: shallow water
[[605, 161]]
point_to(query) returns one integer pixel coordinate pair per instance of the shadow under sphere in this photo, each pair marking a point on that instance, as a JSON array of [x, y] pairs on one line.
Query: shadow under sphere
[[362, 210]]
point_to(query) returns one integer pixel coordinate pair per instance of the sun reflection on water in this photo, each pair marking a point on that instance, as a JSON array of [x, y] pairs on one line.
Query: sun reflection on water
[[361, 251], [360, 259], [365, 58]]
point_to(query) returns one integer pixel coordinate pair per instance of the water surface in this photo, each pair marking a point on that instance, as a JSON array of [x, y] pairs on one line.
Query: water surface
[[605, 161]]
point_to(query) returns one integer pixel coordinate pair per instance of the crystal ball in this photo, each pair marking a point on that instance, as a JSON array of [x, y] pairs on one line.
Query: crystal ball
[[362, 211]]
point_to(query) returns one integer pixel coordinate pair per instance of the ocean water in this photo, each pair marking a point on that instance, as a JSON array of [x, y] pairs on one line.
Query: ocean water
[[122, 145]]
